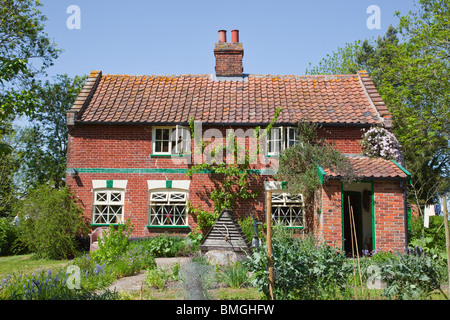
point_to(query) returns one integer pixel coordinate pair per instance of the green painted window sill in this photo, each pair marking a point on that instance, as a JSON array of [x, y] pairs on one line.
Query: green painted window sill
[[104, 224], [168, 155], [293, 227], [167, 226]]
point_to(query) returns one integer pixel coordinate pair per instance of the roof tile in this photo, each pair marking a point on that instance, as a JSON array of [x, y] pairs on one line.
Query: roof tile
[[151, 99], [366, 167]]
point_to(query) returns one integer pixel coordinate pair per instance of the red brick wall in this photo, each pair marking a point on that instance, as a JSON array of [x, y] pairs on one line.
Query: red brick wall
[[389, 217], [104, 146], [345, 139], [330, 215]]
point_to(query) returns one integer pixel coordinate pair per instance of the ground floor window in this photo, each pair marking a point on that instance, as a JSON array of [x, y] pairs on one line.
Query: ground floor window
[[287, 209], [108, 206], [168, 208]]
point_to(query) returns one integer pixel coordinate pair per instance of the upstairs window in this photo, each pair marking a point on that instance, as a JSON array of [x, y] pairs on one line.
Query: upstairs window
[[171, 140], [108, 206], [281, 138], [168, 208], [287, 209]]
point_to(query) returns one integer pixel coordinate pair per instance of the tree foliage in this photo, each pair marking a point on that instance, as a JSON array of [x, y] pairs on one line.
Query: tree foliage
[[50, 221], [409, 66], [45, 140], [25, 51], [10, 163]]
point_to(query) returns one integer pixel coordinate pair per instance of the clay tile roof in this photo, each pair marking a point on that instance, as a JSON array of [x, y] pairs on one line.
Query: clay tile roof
[[373, 168], [337, 99]]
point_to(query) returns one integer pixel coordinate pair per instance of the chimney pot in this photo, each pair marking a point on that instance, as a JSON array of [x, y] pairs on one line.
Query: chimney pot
[[234, 35], [222, 36]]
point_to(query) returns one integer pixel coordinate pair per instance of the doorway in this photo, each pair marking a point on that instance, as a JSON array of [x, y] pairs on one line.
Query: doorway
[[352, 223]]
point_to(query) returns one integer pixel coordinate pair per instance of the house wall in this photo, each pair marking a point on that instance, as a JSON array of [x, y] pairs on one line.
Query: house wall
[[388, 212], [107, 152], [389, 216]]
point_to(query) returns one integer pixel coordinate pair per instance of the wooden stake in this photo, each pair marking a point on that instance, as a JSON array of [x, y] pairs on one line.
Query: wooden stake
[[351, 238], [357, 250], [269, 242], [447, 237]]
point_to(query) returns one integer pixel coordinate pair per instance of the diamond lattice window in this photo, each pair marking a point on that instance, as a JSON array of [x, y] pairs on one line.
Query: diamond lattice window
[[168, 208], [287, 209], [108, 206]]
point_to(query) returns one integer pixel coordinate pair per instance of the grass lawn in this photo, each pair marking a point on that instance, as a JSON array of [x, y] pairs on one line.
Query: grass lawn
[[27, 264]]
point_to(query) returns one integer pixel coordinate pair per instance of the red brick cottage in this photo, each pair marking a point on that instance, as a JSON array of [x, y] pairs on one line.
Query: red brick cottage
[[129, 143]]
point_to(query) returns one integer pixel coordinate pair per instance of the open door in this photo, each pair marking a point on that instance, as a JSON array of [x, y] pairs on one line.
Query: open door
[[352, 227]]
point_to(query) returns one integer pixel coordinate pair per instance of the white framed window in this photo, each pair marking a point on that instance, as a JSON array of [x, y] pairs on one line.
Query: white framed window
[[287, 209], [281, 138], [292, 135], [275, 141], [108, 206], [168, 207], [171, 140]]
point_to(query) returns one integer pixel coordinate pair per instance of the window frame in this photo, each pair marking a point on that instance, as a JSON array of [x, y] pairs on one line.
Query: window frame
[[173, 145], [167, 202], [284, 139], [108, 203], [285, 203]]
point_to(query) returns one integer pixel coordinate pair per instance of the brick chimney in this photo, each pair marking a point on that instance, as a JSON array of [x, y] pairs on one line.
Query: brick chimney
[[229, 55]]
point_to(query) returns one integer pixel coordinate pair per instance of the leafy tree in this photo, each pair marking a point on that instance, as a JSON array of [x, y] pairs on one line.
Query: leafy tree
[[409, 66], [50, 222], [25, 51], [9, 168], [45, 142]]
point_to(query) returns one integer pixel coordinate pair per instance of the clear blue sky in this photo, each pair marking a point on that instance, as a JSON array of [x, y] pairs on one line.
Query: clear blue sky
[[178, 36]]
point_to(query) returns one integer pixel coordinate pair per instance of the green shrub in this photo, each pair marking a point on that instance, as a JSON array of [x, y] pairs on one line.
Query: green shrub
[[94, 276], [246, 224], [134, 260], [157, 277], [431, 240], [8, 236], [194, 239], [50, 221], [113, 243], [302, 268], [234, 275], [166, 245], [410, 276]]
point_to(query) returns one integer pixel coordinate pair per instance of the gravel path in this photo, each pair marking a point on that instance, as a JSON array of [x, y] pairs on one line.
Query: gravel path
[[134, 283]]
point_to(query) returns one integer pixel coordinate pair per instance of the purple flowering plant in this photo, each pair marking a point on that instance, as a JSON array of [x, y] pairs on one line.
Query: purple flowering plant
[[379, 142]]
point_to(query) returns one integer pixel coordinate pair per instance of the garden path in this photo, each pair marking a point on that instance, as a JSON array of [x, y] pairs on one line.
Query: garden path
[[134, 283]]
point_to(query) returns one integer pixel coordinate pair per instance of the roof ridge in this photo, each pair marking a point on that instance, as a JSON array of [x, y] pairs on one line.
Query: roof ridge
[[374, 98], [84, 97], [253, 75]]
